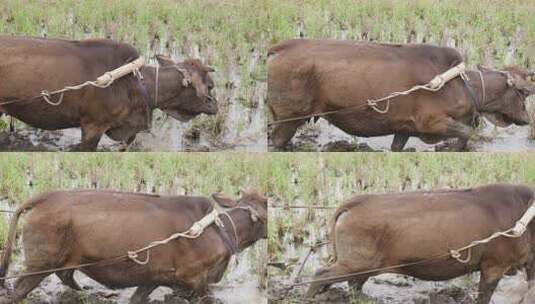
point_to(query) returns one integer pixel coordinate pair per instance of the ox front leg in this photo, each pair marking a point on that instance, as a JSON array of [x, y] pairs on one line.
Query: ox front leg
[[142, 293], [91, 135], [11, 124], [460, 145], [490, 277], [126, 144], [399, 142], [283, 133], [530, 272], [450, 128]]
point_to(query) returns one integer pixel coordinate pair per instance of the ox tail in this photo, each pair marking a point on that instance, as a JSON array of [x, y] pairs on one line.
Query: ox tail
[[332, 234], [274, 50], [283, 46], [12, 235]]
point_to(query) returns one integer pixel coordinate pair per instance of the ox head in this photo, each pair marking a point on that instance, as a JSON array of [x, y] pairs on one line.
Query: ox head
[[193, 87], [253, 203], [508, 106]]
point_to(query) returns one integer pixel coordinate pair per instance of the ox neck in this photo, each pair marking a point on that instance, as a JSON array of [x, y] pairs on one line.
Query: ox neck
[[168, 82], [490, 89], [241, 227]]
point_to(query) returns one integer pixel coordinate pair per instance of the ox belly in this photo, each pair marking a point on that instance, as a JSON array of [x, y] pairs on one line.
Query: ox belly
[[362, 124], [40, 115]]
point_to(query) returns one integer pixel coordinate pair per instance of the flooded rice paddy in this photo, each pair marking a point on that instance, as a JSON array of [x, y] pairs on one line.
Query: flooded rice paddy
[[322, 136]]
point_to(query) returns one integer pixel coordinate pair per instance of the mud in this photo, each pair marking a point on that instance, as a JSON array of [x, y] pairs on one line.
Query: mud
[[322, 136], [397, 289]]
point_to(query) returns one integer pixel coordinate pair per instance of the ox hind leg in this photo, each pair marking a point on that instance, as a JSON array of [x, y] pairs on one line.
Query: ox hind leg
[[91, 135], [328, 276], [399, 142], [67, 278], [142, 293], [24, 286], [283, 133]]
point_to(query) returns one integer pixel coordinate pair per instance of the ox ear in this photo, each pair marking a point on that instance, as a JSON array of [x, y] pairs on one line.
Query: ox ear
[[223, 200], [524, 85], [165, 60]]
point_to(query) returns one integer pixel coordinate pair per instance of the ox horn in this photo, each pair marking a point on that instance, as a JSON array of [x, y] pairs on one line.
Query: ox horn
[[223, 200]]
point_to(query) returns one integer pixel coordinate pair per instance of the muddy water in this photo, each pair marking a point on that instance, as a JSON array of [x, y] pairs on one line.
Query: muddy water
[[386, 288], [322, 136]]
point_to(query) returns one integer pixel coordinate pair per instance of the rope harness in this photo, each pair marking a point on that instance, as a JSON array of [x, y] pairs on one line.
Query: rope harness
[[483, 93], [192, 233], [156, 84], [102, 82], [515, 232], [186, 80], [436, 84]]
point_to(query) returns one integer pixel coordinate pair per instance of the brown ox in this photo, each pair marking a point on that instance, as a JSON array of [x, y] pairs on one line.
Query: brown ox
[[370, 232], [30, 65], [308, 77], [77, 227]]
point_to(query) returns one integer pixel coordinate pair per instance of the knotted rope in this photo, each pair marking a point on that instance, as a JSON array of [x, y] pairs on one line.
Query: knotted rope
[[102, 82], [514, 232], [192, 233], [434, 85]]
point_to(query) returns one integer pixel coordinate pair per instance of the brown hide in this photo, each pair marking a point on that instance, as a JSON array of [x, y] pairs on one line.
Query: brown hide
[[76, 227], [313, 76], [375, 231], [30, 65]]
